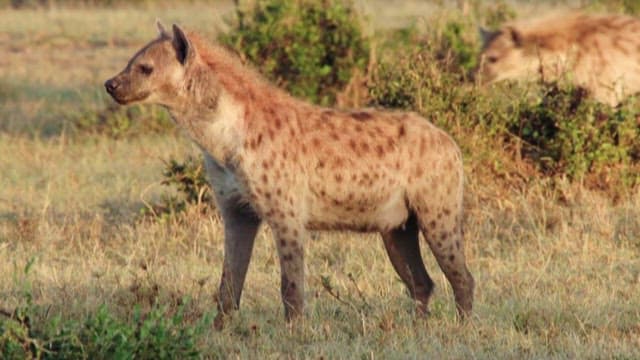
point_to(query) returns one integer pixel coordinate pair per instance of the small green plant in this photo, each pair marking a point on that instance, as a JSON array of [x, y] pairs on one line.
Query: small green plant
[[457, 49], [119, 122], [157, 334], [311, 48], [631, 7], [498, 13], [189, 178]]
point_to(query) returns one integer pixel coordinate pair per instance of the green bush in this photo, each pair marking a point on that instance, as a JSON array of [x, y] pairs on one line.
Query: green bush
[[310, 47], [497, 14], [567, 133], [457, 49], [122, 121], [157, 334], [189, 179]]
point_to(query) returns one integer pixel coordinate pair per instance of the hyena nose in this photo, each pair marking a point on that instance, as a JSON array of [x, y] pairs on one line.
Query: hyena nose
[[111, 85]]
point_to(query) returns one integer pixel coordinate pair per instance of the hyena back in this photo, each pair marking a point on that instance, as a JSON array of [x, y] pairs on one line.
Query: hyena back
[[600, 53], [299, 167]]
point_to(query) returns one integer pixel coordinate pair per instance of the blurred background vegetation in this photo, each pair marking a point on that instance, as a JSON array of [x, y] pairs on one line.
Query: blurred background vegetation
[[518, 139]]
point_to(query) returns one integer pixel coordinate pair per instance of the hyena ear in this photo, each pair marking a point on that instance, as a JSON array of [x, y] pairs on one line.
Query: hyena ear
[[486, 35], [161, 30], [184, 50], [516, 36]]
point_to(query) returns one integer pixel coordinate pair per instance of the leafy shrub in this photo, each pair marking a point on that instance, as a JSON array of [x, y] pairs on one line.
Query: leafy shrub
[[154, 335], [189, 179], [631, 7], [565, 132], [497, 14], [309, 47], [118, 121], [21, 4], [457, 49]]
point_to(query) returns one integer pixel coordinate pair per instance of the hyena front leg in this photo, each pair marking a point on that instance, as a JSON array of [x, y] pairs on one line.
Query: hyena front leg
[[445, 238], [240, 228], [403, 247], [290, 240]]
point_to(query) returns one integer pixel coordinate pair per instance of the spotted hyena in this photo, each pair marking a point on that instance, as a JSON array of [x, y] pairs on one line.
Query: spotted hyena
[[600, 53], [299, 167]]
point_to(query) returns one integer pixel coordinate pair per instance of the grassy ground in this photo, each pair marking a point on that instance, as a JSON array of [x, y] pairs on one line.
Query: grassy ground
[[555, 278]]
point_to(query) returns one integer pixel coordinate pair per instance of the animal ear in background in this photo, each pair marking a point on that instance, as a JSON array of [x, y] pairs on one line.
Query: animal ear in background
[[184, 50], [516, 36], [486, 35], [161, 30]]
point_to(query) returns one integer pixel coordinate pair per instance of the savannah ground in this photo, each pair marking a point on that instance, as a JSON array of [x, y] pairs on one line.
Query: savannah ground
[[557, 268]]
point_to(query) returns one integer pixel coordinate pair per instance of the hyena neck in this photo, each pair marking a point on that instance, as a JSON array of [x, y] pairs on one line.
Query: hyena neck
[[223, 100], [214, 124]]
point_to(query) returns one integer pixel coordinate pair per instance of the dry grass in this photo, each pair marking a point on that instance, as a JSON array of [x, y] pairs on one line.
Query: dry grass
[[555, 279]]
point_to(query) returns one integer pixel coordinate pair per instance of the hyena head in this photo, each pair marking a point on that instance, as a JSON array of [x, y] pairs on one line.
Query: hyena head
[[505, 55], [156, 73]]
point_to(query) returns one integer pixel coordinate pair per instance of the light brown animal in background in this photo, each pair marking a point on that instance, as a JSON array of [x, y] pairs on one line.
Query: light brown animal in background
[[301, 167], [600, 53]]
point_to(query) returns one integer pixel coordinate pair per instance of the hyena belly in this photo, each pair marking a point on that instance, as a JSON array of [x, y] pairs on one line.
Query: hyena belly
[[358, 179], [378, 206]]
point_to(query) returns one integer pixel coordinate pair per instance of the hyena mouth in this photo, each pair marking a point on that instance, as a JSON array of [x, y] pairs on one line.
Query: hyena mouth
[[124, 100]]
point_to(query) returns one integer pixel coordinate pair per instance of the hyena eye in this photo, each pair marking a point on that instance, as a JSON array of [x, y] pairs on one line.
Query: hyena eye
[[145, 69], [492, 59]]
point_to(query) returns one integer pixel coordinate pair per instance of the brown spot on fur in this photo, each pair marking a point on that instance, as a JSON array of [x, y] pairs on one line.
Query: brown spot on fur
[[401, 131], [391, 144], [327, 114], [365, 147], [338, 178], [361, 116], [352, 144]]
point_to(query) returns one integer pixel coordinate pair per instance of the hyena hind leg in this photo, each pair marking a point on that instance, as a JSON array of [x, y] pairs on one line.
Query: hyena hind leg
[[447, 245], [403, 247], [290, 242]]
